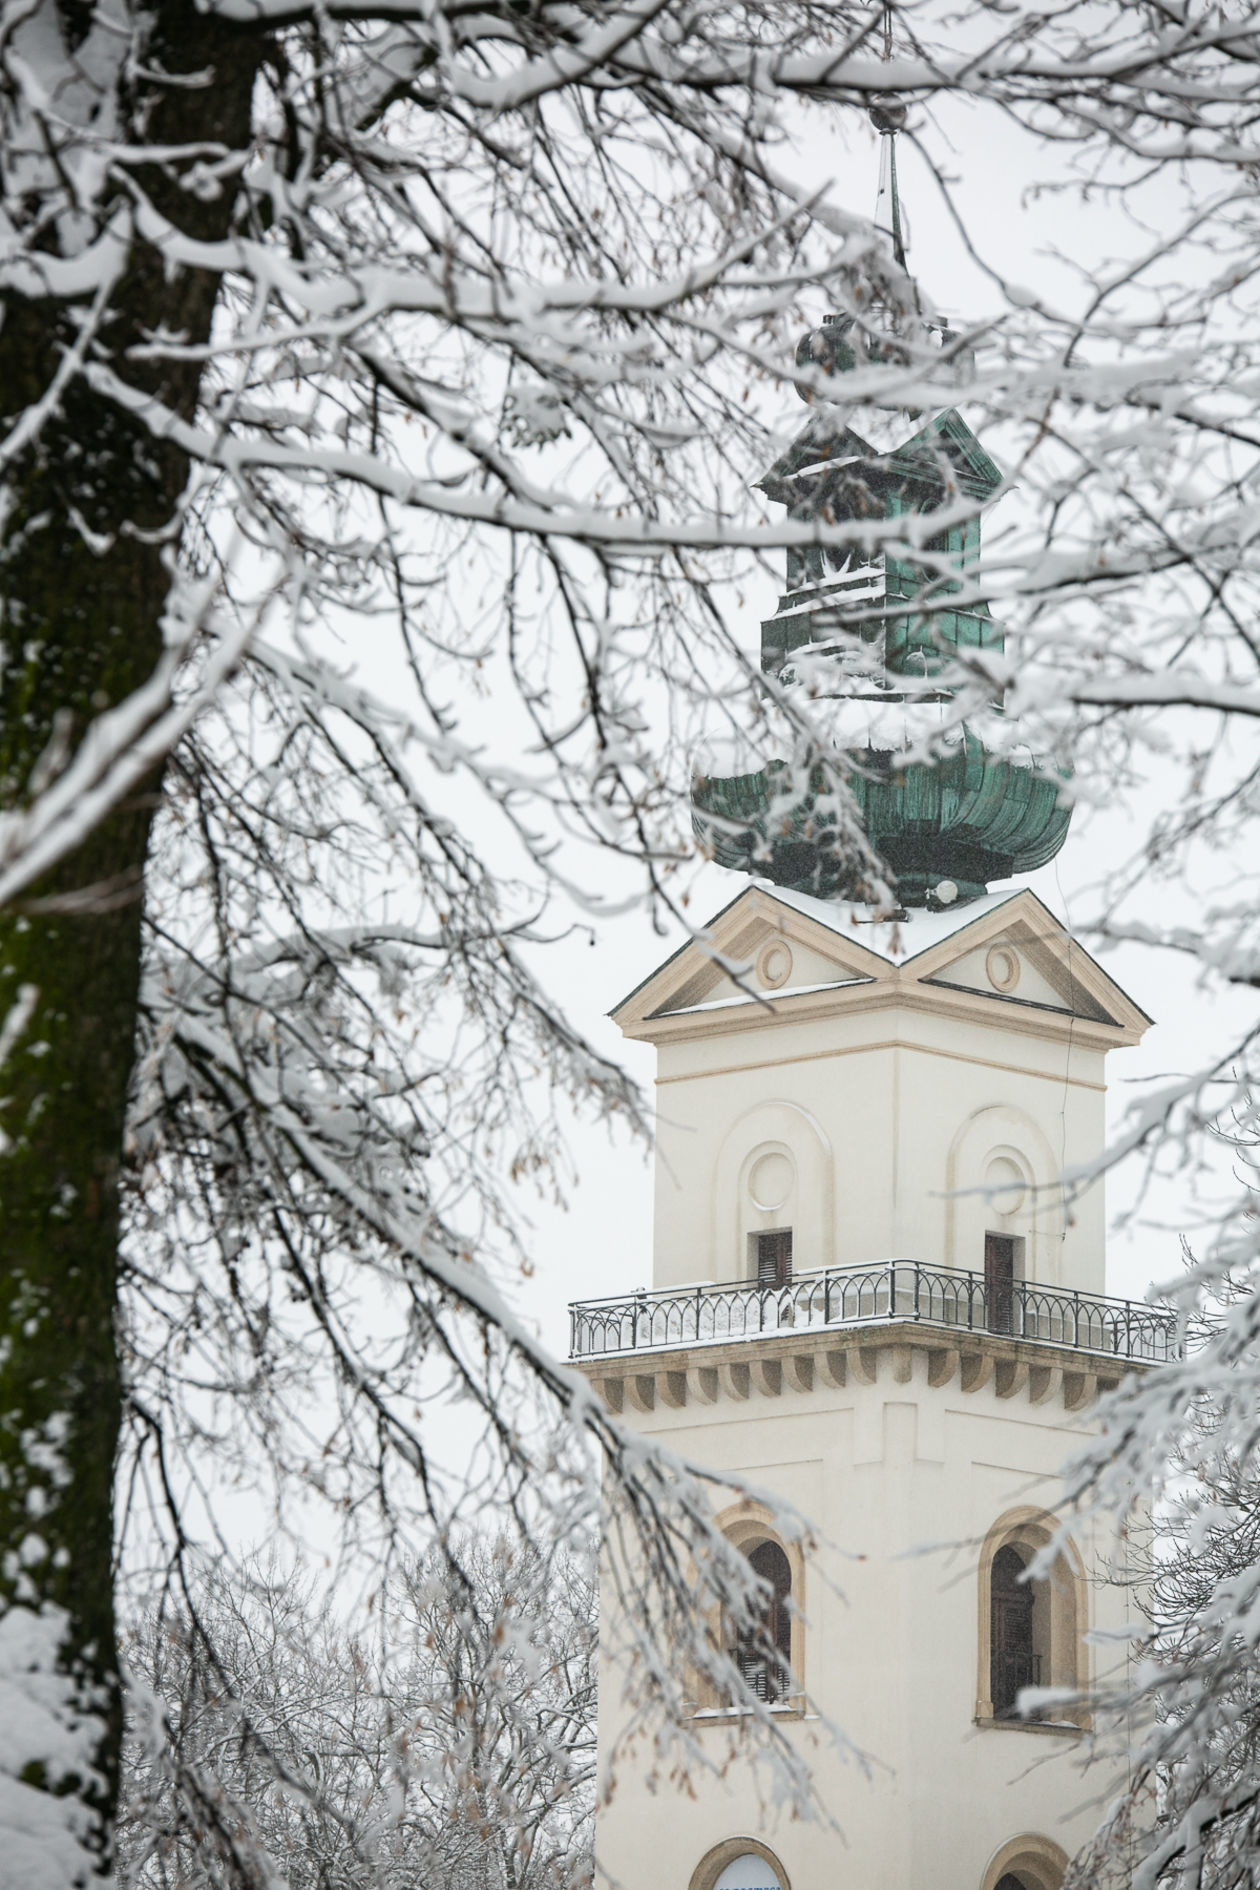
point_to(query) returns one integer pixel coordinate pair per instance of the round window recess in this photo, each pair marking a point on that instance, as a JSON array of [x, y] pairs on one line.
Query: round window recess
[[748, 1872], [770, 1182], [774, 965], [1005, 1180], [1003, 967]]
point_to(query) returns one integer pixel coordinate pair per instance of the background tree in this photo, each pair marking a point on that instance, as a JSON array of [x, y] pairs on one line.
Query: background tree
[[457, 1746], [382, 387], [1186, 1721]]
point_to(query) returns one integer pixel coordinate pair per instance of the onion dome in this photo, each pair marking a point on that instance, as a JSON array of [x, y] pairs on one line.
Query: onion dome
[[944, 829]]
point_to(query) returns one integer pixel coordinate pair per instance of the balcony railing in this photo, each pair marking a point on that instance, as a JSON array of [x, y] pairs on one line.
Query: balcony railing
[[727, 1311]]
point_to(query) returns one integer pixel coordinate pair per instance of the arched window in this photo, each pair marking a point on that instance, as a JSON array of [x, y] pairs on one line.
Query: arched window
[[1013, 1660], [1026, 1863], [748, 1871], [764, 1652], [1032, 1627], [770, 1654], [740, 1863]]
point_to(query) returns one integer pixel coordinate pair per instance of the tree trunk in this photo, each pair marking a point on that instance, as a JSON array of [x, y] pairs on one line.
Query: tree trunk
[[82, 590]]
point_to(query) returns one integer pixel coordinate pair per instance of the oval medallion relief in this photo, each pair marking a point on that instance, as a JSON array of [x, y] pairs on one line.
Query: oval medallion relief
[[770, 1182], [774, 964], [1006, 1179], [1003, 967]]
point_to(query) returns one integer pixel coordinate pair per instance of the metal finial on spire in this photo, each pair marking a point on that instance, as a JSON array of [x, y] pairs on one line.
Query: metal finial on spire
[[888, 114], [888, 200]]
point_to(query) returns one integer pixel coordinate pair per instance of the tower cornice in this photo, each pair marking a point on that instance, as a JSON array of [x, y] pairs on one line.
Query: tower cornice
[[900, 1353]]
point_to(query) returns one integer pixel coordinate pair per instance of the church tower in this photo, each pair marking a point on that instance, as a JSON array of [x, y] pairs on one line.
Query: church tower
[[872, 1295]]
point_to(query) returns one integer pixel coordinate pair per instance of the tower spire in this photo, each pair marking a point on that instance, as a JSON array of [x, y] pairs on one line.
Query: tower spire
[[877, 624], [888, 198], [888, 115]]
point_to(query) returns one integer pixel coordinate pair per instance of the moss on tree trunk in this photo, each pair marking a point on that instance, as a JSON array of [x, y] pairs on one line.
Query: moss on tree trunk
[[82, 591]]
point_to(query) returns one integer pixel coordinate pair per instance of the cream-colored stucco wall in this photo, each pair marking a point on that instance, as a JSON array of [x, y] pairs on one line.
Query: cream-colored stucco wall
[[867, 1098], [885, 1114], [885, 1471]]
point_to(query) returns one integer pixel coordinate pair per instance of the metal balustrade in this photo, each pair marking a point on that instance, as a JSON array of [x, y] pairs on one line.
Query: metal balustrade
[[948, 1297]]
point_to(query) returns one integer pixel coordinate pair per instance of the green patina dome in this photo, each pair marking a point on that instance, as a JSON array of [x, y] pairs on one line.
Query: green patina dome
[[876, 627], [970, 818]]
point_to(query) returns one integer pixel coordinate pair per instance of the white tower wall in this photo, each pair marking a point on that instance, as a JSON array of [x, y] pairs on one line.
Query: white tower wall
[[848, 1085], [896, 1657]]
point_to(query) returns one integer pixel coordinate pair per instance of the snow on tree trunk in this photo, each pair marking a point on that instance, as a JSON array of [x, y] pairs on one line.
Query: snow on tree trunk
[[91, 521]]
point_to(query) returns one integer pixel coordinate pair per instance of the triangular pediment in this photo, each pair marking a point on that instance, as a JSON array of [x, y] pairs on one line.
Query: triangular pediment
[[1018, 953], [772, 954], [1016, 964], [830, 454], [824, 449], [754, 952], [949, 435]]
